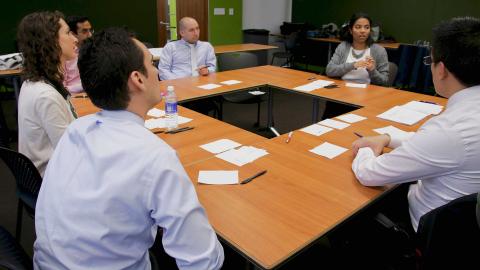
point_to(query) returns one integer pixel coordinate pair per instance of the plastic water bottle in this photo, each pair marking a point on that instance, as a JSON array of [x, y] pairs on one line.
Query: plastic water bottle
[[171, 109]]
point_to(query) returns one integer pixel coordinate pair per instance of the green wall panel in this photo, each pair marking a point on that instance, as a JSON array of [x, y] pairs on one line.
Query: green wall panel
[[139, 16], [225, 29], [406, 20]]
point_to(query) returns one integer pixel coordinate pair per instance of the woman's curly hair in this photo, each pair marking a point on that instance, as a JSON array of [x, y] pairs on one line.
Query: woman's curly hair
[[37, 37]]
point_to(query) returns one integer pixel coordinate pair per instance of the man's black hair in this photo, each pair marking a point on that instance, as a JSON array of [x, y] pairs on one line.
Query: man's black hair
[[105, 63], [456, 43]]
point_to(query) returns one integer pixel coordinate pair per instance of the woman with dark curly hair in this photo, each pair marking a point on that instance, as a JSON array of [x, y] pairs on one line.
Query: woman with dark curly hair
[[357, 58], [44, 109]]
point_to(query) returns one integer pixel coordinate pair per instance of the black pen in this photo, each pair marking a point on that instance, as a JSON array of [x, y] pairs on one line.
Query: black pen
[[179, 130], [358, 134], [253, 177], [158, 131], [429, 102], [311, 78]]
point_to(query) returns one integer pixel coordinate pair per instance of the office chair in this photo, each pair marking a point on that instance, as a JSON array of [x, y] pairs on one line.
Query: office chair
[[448, 237], [28, 182], [392, 73], [12, 255], [230, 61], [288, 44]]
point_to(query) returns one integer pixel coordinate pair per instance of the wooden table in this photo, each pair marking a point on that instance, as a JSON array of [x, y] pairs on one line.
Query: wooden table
[[219, 49], [15, 75], [330, 41], [302, 196]]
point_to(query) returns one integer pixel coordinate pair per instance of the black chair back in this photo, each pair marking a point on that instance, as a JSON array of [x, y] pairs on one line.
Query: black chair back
[[12, 255]]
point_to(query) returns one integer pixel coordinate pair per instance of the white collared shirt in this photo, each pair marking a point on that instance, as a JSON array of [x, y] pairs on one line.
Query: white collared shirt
[[43, 116], [109, 185], [443, 155], [176, 59]]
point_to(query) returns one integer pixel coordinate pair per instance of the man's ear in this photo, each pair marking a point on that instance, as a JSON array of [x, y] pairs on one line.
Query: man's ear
[[136, 81], [442, 70]]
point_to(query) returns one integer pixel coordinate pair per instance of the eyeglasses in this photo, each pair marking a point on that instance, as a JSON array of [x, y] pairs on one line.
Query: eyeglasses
[[85, 31], [427, 60]]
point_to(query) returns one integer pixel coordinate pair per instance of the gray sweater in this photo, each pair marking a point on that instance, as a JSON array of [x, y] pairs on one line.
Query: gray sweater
[[337, 67]]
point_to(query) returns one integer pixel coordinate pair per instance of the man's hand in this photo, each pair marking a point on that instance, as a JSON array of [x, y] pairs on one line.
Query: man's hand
[[203, 70], [376, 143]]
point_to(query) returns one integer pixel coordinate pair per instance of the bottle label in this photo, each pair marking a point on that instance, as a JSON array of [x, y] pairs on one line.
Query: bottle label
[[171, 107]]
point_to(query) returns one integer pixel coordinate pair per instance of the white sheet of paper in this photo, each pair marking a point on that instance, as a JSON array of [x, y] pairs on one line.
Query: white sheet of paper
[[328, 150], [256, 93], [230, 82], [219, 146], [313, 85], [154, 112], [316, 130], [351, 118], [218, 177], [423, 107], [393, 131], [155, 123], [183, 120], [402, 115], [333, 124], [242, 156], [209, 86], [356, 85]]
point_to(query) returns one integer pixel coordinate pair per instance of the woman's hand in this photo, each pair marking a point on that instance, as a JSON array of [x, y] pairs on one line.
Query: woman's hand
[[370, 63]]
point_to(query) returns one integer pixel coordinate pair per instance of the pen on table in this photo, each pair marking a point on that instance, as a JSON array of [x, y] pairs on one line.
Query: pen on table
[[179, 130], [289, 137], [311, 78], [253, 177], [158, 131], [358, 134], [429, 102], [274, 131]]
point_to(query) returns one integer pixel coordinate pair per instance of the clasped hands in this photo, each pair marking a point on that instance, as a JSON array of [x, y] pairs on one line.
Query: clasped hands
[[368, 63]]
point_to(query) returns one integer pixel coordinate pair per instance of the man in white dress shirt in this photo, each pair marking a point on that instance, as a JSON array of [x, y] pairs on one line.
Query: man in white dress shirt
[[444, 154], [111, 182], [188, 56]]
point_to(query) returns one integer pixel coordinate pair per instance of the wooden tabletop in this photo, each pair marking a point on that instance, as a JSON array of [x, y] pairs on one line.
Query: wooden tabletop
[[302, 196], [241, 48], [393, 45], [11, 72]]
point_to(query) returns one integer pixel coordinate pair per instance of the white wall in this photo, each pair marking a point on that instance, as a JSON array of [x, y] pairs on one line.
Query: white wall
[[266, 14]]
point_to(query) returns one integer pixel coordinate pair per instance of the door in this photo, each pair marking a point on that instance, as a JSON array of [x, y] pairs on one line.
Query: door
[[170, 11]]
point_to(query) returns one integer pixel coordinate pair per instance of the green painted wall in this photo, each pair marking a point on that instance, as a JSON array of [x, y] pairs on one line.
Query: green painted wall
[[139, 16], [406, 20], [225, 29]]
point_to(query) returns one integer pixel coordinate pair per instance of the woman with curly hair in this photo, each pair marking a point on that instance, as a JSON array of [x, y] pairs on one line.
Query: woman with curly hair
[[44, 109]]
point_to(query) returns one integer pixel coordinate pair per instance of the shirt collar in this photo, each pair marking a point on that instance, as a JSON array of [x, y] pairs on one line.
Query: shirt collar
[[122, 115], [463, 95], [182, 41]]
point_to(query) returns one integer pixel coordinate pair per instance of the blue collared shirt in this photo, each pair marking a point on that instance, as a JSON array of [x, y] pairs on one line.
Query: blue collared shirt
[[175, 59], [108, 186]]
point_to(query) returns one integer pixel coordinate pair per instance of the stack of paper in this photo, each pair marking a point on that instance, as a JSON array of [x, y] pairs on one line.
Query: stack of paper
[[351, 118], [391, 130], [155, 123], [356, 85], [333, 124], [243, 155], [218, 177], [209, 86], [328, 150], [154, 112], [219, 146], [183, 120], [313, 85], [423, 107], [316, 130], [230, 82], [402, 115]]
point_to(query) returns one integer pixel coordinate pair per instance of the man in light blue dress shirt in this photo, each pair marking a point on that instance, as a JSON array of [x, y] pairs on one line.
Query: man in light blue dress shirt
[[188, 56], [111, 182]]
